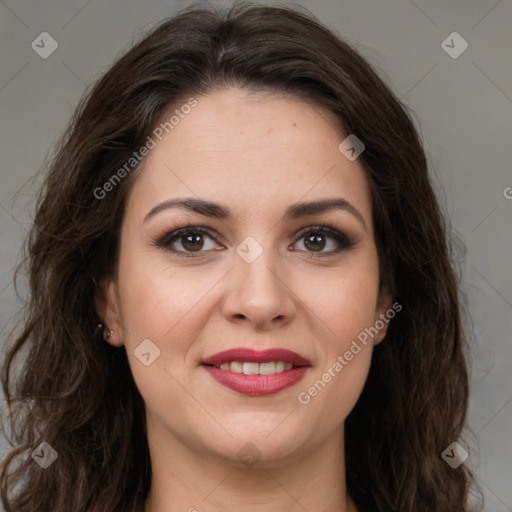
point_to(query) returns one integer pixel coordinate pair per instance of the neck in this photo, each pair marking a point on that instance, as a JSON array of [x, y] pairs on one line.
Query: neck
[[186, 480]]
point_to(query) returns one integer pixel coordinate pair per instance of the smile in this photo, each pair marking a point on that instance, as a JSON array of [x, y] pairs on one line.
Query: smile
[[256, 373], [248, 368]]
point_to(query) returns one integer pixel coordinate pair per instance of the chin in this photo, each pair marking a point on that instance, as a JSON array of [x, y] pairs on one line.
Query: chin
[[265, 443]]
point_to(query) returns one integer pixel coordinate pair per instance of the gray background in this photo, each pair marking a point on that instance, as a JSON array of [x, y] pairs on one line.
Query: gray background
[[463, 107]]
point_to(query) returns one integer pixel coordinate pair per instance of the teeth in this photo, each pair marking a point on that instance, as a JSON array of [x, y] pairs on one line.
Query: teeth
[[248, 368], [236, 366], [251, 368], [267, 368]]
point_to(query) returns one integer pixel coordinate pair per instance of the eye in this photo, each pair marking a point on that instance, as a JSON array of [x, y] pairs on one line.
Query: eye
[[316, 238], [191, 238]]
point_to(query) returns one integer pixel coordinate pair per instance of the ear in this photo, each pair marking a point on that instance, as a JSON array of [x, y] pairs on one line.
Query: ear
[[107, 306], [382, 319]]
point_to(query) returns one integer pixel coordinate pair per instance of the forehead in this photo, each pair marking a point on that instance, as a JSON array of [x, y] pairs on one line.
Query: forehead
[[252, 152]]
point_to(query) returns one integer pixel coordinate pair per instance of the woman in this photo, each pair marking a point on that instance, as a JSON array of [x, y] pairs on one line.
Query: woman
[[241, 293]]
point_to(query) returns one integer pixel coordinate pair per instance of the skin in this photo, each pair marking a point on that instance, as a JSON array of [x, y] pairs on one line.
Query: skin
[[256, 154]]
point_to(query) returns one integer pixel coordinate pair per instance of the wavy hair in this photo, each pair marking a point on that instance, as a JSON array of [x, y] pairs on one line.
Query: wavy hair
[[76, 392]]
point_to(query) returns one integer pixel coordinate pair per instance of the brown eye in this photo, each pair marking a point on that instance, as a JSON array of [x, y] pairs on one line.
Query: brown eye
[[314, 242], [193, 239], [317, 238], [192, 242]]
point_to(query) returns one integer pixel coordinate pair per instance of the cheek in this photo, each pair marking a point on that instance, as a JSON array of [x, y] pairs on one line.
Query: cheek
[[162, 303], [345, 309], [345, 300], [158, 298]]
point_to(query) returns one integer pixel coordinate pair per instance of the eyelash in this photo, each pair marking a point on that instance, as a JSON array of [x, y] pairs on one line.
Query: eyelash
[[342, 240]]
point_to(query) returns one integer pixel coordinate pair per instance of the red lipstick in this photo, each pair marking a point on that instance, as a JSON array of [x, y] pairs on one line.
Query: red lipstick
[[257, 384], [256, 356]]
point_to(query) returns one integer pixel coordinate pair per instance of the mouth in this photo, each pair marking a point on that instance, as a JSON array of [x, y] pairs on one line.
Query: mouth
[[256, 373]]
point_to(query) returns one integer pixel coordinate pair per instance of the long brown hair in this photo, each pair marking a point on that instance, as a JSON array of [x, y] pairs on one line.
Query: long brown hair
[[76, 392]]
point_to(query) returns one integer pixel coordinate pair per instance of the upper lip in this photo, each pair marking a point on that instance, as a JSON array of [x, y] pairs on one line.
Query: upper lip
[[256, 356]]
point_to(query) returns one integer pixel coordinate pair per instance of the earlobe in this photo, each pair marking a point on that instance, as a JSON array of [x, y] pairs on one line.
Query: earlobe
[[382, 317], [106, 303]]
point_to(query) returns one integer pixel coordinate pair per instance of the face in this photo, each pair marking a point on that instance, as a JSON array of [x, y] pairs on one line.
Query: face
[[257, 271]]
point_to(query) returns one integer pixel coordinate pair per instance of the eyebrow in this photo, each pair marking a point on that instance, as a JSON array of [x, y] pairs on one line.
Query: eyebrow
[[293, 212]]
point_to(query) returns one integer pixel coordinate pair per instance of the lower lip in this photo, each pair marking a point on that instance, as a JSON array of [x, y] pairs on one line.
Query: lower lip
[[257, 385]]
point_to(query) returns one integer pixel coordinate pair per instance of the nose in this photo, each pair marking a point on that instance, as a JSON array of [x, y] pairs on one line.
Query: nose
[[258, 294]]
